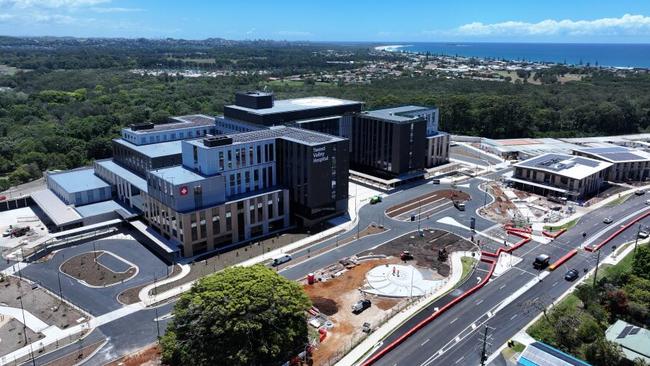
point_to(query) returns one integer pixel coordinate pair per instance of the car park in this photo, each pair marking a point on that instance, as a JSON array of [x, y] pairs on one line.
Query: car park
[[571, 275]]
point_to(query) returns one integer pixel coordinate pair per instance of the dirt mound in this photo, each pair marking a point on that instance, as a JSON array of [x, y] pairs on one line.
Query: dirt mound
[[325, 305]]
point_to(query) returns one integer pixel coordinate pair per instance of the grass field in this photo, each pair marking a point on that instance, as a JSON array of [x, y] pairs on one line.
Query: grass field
[[619, 200], [567, 225], [468, 264]]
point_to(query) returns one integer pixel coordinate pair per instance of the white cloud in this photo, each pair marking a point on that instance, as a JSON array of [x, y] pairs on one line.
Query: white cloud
[[6, 16], [23, 4], [115, 10], [628, 24], [251, 31]]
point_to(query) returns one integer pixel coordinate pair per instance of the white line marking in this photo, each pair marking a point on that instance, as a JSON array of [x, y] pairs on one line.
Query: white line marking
[[514, 316], [452, 322], [478, 302], [425, 342], [460, 359]]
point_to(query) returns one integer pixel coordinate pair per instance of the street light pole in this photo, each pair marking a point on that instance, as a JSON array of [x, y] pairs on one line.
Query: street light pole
[[597, 264], [636, 241]]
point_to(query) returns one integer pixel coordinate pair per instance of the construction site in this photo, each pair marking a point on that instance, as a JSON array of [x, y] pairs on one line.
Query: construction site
[[355, 296]]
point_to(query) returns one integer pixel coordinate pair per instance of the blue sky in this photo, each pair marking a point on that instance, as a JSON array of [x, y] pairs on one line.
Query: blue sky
[[384, 21]]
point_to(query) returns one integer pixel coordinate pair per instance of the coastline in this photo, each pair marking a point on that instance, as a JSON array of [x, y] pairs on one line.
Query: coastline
[[391, 48]]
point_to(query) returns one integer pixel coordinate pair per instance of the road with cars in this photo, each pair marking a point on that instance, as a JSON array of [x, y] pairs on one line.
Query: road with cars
[[508, 302]]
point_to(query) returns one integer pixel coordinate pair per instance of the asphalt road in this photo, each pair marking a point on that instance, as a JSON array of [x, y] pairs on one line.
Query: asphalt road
[[454, 337]]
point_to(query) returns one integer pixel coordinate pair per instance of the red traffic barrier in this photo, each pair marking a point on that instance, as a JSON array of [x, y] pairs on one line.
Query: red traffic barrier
[[563, 259]]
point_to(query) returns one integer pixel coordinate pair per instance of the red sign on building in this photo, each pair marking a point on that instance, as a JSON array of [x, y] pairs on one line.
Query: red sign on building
[[184, 190]]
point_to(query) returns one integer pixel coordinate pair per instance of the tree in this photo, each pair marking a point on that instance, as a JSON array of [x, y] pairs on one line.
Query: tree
[[240, 316], [641, 263], [603, 353]]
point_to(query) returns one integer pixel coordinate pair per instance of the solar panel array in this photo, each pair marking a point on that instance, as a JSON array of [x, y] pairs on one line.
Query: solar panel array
[[296, 134], [614, 154], [558, 162]]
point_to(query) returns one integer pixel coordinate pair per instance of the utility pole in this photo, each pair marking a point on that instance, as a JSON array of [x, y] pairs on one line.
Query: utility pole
[[157, 323], [597, 264], [636, 241], [58, 275], [419, 214], [483, 351]]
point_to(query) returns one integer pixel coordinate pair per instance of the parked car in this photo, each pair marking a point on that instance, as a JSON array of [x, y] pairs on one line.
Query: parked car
[[607, 220], [360, 306], [647, 202], [640, 192], [643, 234], [282, 259], [435, 181], [541, 261], [571, 275]]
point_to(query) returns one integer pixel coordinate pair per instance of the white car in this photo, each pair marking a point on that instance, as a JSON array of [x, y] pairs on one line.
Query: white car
[[643, 234], [607, 220], [647, 202]]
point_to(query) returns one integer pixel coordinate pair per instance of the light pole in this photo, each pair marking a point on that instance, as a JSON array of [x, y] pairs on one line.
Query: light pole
[[597, 264], [636, 241]]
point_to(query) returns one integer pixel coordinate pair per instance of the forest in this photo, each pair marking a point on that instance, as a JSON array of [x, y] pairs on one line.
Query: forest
[[67, 98]]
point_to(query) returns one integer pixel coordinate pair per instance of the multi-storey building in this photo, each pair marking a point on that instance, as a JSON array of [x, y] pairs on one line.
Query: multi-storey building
[[627, 164], [232, 189], [396, 141]]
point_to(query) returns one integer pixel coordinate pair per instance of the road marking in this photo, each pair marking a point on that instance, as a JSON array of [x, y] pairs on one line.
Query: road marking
[[452, 322], [460, 359], [425, 342], [514, 316], [502, 286], [554, 284], [473, 326], [478, 302]]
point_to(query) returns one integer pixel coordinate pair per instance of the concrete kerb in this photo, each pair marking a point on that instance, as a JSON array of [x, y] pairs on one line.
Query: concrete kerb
[[147, 300], [362, 351], [495, 156], [484, 190], [523, 337], [137, 270], [143, 294]]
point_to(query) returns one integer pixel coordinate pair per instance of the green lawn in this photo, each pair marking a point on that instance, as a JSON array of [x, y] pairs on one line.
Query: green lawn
[[468, 264], [567, 225], [619, 200]]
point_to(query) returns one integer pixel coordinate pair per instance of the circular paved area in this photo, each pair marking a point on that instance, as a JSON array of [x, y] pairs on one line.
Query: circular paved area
[[399, 281]]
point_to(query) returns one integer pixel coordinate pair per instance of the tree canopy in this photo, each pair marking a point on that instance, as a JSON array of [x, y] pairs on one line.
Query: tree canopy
[[240, 316]]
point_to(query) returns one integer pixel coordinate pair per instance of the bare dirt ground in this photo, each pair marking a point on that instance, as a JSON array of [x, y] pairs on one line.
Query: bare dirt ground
[[452, 194], [336, 297], [83, 267], [130, 296], [37, 301], [425, 249], [149, 356], [498, 210], [12, 335], [77, 356]]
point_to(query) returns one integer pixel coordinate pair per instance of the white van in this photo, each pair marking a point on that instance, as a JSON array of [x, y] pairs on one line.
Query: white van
[[282, 259]]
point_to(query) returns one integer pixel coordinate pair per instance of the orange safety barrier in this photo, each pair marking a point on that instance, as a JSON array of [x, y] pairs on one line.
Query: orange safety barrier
[[617, 232], [563, 259], [450, 304], [553, 235]]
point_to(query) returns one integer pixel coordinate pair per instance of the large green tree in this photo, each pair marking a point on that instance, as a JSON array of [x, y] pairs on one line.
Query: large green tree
[[240, 316]]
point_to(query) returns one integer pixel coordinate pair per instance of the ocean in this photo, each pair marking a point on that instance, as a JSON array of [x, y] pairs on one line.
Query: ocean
[[615, 55]]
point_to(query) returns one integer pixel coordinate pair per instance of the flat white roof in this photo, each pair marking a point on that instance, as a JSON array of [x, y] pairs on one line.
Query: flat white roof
[[570, 166], [54, 208]]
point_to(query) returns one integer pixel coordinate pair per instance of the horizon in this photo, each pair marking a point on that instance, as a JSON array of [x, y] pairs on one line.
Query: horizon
[[505, 21]]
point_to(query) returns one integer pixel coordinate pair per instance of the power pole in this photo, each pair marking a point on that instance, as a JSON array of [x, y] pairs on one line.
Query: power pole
[[636, 241], [597, 264], [484, 350]]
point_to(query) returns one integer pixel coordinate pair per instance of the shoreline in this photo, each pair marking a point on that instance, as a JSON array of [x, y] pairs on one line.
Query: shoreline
[[391, 48]]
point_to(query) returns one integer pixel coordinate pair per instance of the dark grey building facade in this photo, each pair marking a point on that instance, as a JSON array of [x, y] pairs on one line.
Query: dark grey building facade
[[387, 147]]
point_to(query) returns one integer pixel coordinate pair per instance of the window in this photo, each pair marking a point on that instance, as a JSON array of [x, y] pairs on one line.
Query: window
[[259, 154], [195, 152]]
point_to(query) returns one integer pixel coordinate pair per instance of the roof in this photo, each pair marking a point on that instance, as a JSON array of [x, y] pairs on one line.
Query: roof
[[536, 184], [124, 173], [98, 208], [570, 166], [531, 147], [77, 180], [297, 104], [635, 341], [399, 114], [299, 135], [177, 175], [616, 154], [541, 354], [54, 208], [154, 150], [179, 122]]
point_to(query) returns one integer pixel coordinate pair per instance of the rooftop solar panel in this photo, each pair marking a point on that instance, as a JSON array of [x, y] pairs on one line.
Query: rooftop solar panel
[[635, 330], [622, 156], [625, 332]]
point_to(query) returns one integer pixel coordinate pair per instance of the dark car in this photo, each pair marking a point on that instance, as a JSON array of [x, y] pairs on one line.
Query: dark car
[[571, 275], [640, 192], [360, 306]]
